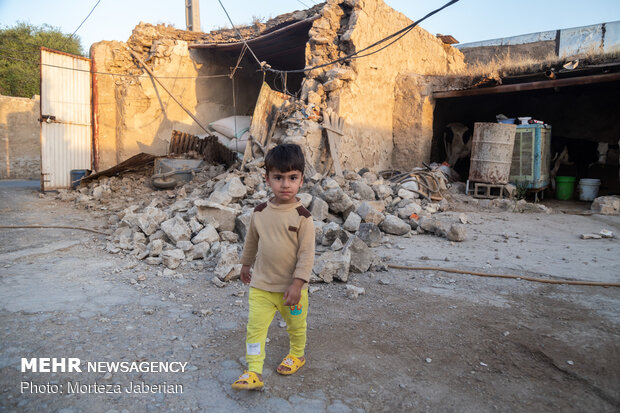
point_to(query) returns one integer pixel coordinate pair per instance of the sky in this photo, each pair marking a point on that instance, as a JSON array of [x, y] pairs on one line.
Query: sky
[[467, 20]]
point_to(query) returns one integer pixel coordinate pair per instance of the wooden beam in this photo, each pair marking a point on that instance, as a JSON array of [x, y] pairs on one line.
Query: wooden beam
[[522, 87]]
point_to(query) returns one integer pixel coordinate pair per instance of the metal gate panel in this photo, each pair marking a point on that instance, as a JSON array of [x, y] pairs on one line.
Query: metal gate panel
[[65, 117]]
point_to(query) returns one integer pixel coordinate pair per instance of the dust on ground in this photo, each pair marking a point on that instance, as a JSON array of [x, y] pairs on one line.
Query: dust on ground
[[416, 340]]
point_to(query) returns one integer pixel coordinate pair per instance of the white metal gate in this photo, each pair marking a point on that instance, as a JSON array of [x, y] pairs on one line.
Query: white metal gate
[[65, 117]]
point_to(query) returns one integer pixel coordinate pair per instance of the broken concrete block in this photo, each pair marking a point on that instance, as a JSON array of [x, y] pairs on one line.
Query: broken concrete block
[[331, 231], [361, 256], [369, 214], [220, 197], [229, 236], [318, 231], [606, 205], [198, 251], [337, 245], [176, 229], [408, 210], [394, 225], [336, 198], [220, 216], [235, 188], [242, 224], [353, 292], [155, 247], [194, 225], [184, 245], [352, 222], [153, 260], [369, 177], [382, 191], [332, 264], [172, 258], [457, 233], [228, 263], [319, 209], [591, 236], [218, 283], [139, 237], [370, 234], [306, 199], [406, 194], [207, 234], [363, 190]]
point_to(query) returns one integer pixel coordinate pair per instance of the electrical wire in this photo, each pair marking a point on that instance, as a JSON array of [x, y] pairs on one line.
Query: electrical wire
[[396, 36], [86, 18], [109, 73], [304, 4]]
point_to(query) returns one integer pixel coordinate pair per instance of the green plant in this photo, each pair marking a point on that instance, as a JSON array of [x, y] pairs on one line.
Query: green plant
[[521, 189], [19, 55]]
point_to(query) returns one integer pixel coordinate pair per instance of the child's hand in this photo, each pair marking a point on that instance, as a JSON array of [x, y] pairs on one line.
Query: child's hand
[[292, 295], [246, 276]]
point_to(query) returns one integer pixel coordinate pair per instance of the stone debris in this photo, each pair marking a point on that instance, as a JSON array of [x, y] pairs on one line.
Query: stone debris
[[203, 223], [353, 291], [606, 205], [604, 233]]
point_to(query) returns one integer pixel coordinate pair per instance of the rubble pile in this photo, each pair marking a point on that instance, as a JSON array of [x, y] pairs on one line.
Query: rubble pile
[[204, 222]]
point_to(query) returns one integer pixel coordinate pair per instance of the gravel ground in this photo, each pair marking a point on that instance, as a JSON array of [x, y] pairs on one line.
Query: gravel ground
[[416, 340]]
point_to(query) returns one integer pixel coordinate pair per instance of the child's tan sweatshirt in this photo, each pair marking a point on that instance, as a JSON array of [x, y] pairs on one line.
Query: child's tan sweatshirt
[[280, 244]]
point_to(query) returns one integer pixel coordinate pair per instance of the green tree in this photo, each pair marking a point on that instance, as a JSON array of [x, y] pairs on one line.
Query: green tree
[[20, 56]]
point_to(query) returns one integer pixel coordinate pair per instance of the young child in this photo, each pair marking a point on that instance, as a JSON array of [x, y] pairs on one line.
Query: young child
[[280, 244]]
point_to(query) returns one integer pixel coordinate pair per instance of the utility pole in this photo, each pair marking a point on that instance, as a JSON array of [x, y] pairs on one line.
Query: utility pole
[[192, 15]]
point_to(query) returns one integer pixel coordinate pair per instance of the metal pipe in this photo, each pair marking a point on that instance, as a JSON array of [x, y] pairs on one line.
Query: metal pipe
[[550, 74]]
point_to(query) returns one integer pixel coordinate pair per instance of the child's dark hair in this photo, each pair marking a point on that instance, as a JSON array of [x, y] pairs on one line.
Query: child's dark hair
[[285, 158]]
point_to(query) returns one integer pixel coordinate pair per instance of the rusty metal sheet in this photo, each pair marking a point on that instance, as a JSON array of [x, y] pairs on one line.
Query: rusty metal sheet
[[208, 148], [129, 165]]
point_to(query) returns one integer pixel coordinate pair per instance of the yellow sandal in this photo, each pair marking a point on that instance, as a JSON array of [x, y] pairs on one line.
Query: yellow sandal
[[293, 363], [252, 382]]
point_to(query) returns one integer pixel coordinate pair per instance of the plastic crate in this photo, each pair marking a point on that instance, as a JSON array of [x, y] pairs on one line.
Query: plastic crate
[[531, 157]]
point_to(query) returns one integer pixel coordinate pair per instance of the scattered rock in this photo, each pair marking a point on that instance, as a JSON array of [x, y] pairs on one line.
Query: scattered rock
[[352, 222], [332, 264], [172, 258], [228, 267], [369, 214], [370, 234], [363, 190], [319, 209], [207, 234], [457, 233], [176, 229], [394, 225], [220, 216], [353, 292], [606, 205], [218, 283]]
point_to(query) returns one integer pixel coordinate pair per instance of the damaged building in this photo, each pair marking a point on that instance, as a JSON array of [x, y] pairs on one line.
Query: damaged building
[[389, 117]]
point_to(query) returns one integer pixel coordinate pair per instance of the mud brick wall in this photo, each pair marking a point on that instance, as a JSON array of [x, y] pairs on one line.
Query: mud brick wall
[[20, 142]]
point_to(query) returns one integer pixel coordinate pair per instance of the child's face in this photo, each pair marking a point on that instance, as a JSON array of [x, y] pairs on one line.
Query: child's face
[[284, 185]]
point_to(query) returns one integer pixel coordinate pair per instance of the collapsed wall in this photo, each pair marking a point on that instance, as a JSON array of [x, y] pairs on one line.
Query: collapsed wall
[[20, 151], [365, 90], [133, 113]]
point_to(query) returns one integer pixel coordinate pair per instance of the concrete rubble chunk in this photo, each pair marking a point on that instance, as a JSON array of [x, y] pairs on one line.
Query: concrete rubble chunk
[[194, 225], [172, 258], [352, 222], [432, 225], [337, 200], [406, 211], [394, 225], [319, 209], [331, 232], [318, 231], [218, 283], [150, 219], [220, 216], [176, 229], [606, 205], [242, 224], [155, 247], [353, 291], [382, 191], [411, 186], [332, 264], [457, 233], [198, 251], [370, 234], [369, 214], [363, 190], [406, 194], [306, 199], [184, 245], [229, 236], [361, 256], [207, 234], [228, 266]]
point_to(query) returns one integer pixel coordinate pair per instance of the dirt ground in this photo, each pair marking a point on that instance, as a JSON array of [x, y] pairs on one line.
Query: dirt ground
[[416, 341]]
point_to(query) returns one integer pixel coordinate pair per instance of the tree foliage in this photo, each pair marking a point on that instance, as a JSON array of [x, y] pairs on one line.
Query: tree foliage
[[20, 56]]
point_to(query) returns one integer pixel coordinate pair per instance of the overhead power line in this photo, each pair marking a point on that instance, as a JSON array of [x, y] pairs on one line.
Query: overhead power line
[[86, 18], [356, 55]]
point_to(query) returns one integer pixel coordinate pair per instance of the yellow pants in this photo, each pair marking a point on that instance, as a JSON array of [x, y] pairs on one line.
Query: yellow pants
[[263, 306]]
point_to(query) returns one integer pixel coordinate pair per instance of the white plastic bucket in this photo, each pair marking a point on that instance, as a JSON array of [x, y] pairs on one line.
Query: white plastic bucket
[[588, 189]]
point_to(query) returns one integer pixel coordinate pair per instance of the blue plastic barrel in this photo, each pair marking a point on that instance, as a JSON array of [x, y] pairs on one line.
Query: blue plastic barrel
[[76, 175]]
